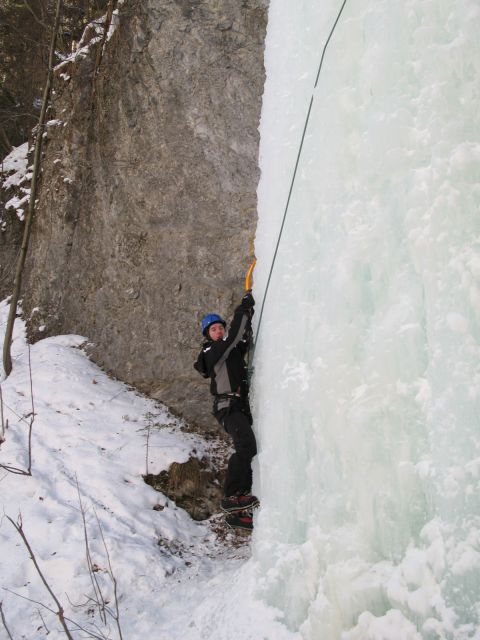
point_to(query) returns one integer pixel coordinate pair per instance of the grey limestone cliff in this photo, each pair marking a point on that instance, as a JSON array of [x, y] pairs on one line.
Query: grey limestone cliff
[[147, 207]]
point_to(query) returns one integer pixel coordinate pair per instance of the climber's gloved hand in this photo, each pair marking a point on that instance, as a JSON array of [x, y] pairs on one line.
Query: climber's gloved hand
[[248, 301]]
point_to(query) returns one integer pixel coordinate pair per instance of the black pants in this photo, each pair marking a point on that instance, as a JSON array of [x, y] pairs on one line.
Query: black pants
[[238, 424]]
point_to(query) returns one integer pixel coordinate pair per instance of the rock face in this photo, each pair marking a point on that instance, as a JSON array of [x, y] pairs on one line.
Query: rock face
[[148, 200]]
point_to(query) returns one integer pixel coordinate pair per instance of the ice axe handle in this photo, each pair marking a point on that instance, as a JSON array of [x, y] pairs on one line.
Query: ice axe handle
[[248, 279]]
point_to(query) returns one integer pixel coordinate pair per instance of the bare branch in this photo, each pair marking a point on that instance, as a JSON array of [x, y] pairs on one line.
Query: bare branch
[[41, 604], [4, 622], [14, 470], [32, 419], [43, 621], [94, 632], [116, 617], [2, 434], [149, 426], [60, 612], [36, 18], [87, 631], [81, 604], [15, 413], [99, 599], [19, 595], [7, 359], [22, 34], [31, 415]]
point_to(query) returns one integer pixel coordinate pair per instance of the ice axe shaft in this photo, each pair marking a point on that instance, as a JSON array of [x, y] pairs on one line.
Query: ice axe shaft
[[248, 279]]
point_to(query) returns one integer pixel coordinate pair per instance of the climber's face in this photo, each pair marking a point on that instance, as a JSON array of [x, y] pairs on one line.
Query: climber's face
[[216, 331]]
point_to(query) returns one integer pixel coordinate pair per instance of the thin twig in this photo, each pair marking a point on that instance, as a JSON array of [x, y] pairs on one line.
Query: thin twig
[[41, 604], [116, 617], [2, 435], [91, 634], [43, 621], [80, 605], [19, 595], [14, 470], [32, 419], [21, 418], [31, 415], [149, 426], [4, 622], [35, 17], [102, 636], [99, 599], [60, 612]]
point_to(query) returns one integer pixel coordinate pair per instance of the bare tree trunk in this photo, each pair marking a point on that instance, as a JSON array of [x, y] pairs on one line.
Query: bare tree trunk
[[7, 359]]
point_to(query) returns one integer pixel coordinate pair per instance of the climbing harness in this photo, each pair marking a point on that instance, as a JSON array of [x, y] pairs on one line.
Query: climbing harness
[[223, 401], [295, 172]]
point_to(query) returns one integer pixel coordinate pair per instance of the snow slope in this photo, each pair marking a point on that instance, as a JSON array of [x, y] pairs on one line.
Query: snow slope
[[176, 578]]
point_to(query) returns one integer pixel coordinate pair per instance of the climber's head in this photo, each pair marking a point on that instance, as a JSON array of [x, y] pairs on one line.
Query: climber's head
[[213, 326], [216, 331]]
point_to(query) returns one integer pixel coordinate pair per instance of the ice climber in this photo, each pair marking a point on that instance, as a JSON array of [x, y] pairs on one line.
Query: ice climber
[[222, 360]]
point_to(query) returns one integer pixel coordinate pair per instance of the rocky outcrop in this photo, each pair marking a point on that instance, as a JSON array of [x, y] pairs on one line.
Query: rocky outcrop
[[147, 207]]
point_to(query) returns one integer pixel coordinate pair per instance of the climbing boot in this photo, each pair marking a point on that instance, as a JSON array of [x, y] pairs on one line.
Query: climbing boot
[[232, 504], [239, 520]]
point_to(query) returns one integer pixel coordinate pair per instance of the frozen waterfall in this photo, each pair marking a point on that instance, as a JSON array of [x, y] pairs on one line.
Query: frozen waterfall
[[367, 367]]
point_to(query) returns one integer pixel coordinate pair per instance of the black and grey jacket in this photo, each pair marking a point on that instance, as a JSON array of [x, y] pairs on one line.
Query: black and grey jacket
[[223, 361]]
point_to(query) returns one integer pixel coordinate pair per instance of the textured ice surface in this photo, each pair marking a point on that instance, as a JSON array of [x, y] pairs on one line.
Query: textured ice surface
[[367, 366]]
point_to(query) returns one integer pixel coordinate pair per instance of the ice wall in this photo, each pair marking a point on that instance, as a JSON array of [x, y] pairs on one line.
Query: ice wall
[[367, 365]]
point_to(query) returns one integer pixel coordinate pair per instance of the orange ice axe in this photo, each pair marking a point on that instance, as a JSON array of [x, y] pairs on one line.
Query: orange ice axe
[[248, 279]]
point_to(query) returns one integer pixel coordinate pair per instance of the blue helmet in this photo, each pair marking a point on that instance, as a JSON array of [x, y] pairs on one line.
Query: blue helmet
[[210, 319]]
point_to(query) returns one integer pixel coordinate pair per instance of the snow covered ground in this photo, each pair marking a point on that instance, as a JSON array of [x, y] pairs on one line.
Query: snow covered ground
[[14, 174], [175, 578]]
